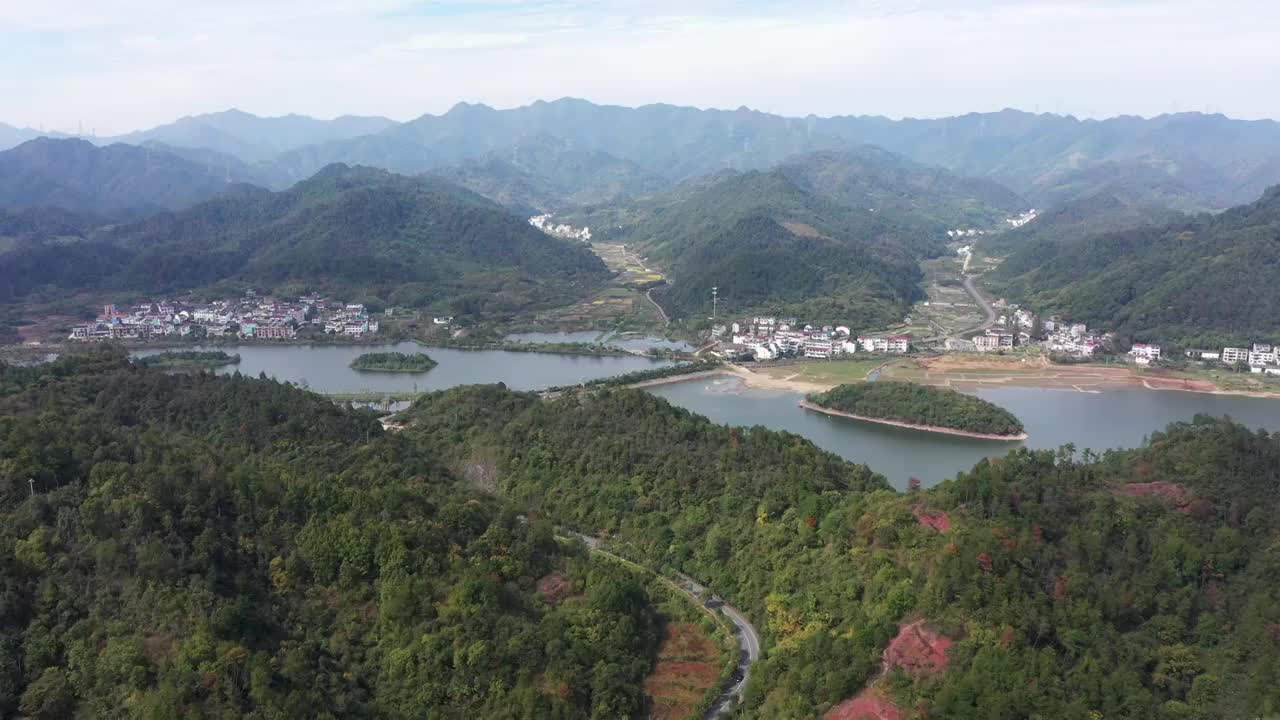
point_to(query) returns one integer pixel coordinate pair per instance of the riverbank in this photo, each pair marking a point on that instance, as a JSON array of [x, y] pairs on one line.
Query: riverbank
[[970, 373], [807, 405]]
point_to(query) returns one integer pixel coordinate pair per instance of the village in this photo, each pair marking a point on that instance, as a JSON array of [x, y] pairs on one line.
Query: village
[[764, 338], [249, 317]]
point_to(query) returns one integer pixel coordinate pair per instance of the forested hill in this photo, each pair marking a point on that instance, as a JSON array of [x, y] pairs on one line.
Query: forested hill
[[874, 178], [1206, 279], [356, 231], [919, 405], [1042, 584], [119, 182], [769, 243], [216, 547], [1075, 220], [828, 236]]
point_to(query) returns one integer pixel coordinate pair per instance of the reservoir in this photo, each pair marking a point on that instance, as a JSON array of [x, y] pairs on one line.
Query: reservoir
[[1121, 418], [324, 368]]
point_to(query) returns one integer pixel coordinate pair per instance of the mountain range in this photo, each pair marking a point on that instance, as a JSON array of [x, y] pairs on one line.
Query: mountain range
[[1188, 161]]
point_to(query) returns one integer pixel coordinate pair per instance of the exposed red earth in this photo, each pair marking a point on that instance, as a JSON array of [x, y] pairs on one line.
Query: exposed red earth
[[932, 520], [917, 650], [868, 705], [554, 587], [1178, 496]]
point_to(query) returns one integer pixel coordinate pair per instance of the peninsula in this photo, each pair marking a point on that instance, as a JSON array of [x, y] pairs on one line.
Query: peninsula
[[918, 407]]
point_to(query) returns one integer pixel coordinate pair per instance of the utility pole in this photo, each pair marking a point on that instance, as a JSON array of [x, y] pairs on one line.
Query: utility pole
[[32, 483], [714, 297]]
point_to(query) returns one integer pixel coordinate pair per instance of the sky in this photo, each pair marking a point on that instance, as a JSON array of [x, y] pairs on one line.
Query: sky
[[120, 65]]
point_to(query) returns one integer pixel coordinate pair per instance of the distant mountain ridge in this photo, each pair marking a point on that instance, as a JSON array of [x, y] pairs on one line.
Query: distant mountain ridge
[[252, 138], [119, 182], [1188, 161]]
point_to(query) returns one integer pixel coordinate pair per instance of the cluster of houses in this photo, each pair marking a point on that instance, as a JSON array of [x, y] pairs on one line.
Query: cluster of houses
[[560, 230], [250, 317], [1260, 357], [770, 338], [1022, 219]]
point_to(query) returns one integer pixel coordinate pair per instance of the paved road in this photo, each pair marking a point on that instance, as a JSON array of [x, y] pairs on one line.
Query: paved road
[[648, 294], [989, 311], [744, 632]]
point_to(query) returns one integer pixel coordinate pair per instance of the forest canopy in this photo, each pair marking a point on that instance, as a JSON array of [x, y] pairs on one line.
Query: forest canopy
[[394, 362], [917, 404]]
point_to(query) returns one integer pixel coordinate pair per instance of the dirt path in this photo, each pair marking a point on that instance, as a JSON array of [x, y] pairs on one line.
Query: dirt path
[[744, 632]]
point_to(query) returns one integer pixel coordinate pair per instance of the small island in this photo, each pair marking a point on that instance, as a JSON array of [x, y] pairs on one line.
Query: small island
[[189, 360], [394, 362], [919, 407]]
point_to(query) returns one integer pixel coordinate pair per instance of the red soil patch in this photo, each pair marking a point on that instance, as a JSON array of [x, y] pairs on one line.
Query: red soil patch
[[917, 650], [688, 666], [554, 587], [934, 521], [866, 706], [1177, 495]]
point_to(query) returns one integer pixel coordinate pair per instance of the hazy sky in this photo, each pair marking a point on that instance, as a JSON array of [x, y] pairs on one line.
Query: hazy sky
[[119, 65]]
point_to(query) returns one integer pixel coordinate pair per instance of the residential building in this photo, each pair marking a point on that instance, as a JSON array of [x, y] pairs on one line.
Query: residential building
[[1232, 355]]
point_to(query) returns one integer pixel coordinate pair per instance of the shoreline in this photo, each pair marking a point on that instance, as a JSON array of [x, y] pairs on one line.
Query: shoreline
[[807, 405], [957, 380]]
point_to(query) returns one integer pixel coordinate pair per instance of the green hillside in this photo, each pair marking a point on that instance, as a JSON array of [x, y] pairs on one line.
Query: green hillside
[[919, 405], [1075, 220], [827, 236], [1136, 585], [354, 231], [218, 547], [1208, 279]]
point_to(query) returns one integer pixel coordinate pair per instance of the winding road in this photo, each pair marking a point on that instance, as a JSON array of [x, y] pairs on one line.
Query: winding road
[[744, 632], [648, 294], [989, 311]]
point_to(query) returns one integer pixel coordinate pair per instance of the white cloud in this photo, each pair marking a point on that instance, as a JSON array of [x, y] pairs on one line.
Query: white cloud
[[123, 64]]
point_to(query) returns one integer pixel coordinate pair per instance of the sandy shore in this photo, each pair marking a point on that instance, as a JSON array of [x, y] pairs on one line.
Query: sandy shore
[[912, 426]]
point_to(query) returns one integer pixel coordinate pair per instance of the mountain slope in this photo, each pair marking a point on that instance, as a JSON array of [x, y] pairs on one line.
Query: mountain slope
[[1073, 220], [871, 177], [1210, 279], [1038, 584], [201, 546], [118, 181], [830, 236], [351, 230], [251, 138], [545, 174]]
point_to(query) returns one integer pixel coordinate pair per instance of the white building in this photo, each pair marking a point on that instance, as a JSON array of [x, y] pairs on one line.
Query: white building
[[1144, 354], [816, 347], [1232, 355]]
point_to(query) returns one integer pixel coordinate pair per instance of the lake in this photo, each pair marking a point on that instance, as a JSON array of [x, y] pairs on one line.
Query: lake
[[324, 368], [1100, 421]]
